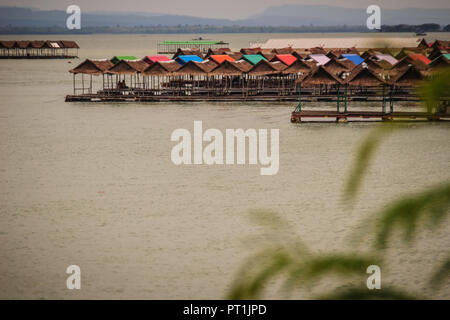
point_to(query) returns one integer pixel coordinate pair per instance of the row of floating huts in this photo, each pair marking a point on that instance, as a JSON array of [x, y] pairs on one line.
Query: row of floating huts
[[262, 74], [38, 49]]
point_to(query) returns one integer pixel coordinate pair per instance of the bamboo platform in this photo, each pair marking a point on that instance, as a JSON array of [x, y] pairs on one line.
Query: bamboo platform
[[185, 98], [335, 116]]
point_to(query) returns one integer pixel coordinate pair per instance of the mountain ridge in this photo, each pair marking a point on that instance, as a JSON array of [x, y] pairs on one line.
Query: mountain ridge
[[284, 15]]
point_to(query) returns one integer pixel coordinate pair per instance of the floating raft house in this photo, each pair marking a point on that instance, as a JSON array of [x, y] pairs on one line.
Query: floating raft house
[[38, 49], [340, 75]]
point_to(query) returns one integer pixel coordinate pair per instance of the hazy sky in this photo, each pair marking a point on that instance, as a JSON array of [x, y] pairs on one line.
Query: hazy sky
[[231, 9]]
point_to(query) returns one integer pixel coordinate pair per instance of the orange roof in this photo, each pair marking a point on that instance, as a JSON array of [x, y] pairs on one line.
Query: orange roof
[[219, 58], [421, 57], [287, 59]]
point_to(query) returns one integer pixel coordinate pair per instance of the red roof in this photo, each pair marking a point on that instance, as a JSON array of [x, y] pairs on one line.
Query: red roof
[[219, 58], [421, 57], [287, 59], [153, 59]]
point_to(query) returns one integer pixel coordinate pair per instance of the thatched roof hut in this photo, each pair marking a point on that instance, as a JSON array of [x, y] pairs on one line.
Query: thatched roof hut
[[117, 59], [268, 55], [441, 62], [187, 52], [299, 66], [185, 59], [217, 51], [336, 66], [362, 76], [243, 65], [335, 53], [196, 68], [386, 57], [235, 55], [320, 58], [7, 44], [128, 67], [69, 44], [54, 44], [408, 77], [406, 62], [300, 54], [419, 57], [401, 64], [23, 44], [264, 67], [37, 44], [253, 58], [347, 63], [441, 44], [423, 44], [318, 50], [377, 65], [287, 59], [250, 50], [287, 50], [437, 52], [93, 67], [369, 53], [232, 68], [407, 51], [321, 76], [219, 58], [162, 68], [153, 59]]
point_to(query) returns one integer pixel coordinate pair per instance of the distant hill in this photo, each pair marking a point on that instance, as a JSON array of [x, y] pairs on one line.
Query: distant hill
[[27, 17], [285, 15], [298, 15]]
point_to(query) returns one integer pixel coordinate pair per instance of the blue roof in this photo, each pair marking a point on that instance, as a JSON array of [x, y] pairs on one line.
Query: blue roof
[[353, 57], [183, 59]]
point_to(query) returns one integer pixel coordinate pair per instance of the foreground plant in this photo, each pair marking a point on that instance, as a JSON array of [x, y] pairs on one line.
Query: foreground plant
[[291, 263]]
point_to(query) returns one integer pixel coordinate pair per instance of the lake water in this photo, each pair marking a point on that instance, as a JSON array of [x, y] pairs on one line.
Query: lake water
[[93, 185]]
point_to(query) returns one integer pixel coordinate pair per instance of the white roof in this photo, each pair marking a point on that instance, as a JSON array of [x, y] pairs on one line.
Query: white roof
[[369, 41]]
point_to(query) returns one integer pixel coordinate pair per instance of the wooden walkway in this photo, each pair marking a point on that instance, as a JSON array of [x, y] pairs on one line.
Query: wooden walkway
[[334, 116], [224, 98]]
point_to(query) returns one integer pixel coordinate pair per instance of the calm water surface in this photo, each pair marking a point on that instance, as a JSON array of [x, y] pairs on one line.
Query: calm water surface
[[93, 185]]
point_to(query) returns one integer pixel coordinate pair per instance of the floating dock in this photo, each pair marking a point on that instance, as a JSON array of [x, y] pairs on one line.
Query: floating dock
[[335, 116], [38, 49], [97, 97]]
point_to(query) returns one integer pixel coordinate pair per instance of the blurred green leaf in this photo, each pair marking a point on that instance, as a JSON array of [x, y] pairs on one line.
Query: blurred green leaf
[[364, 155], [405, 213], [440, 274], [292, 259], [435, 89], [313, 269], [253, 278], [362, 293]]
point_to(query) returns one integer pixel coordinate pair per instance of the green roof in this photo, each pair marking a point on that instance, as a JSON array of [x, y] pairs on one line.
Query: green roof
[[118, 58], [192, 42], [253, 58], [446, 56]]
